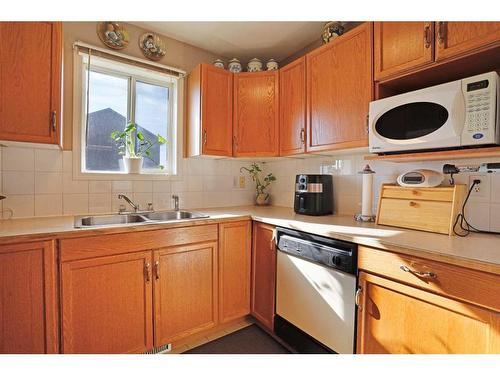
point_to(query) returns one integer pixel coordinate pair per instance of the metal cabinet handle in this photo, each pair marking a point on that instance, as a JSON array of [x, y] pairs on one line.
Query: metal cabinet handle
[[358, 298], [147, 271], [303, 135], [235, 142], [205, 137], [157, 270], [441, 32], [53, 121], [427, 35], [430, 275]]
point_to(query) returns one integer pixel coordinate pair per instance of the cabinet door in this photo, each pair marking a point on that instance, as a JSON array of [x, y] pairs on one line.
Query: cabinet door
[[185, 291], [400, 46], [263, 274], [256, 114], [234, 270], [216, 111], [455, 38], [395, 318], [28, 312], [107, 304], [339, 87], [30, 81], [293, 108]]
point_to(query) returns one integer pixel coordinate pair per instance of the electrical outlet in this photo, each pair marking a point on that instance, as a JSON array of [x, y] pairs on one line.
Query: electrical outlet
[[242, 182], [481, 191]]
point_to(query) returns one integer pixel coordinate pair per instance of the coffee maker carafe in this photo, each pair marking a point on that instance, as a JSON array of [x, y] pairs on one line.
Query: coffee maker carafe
[[313, 194]]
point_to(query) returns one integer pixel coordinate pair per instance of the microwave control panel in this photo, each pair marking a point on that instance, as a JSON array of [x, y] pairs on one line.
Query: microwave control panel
[[480, 94]]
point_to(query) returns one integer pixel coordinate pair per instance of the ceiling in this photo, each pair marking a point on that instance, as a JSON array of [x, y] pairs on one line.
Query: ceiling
[[243, 40]]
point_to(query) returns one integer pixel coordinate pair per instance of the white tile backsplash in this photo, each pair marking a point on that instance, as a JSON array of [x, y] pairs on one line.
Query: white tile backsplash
[[48, 182], [40, 182], [17, 182], [48, 160], [18, 159], [48, 204]]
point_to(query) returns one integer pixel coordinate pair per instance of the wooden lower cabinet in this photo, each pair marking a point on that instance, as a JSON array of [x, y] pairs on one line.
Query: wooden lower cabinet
[[107, 304], [397, 318], [234, 270], [28, 303], [185, 291], [263, 274]]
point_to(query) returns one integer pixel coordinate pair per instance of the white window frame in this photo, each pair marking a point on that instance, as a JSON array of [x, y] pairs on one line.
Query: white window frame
[[176, 110]]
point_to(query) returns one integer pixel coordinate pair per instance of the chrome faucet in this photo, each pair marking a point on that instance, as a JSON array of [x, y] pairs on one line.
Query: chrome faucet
[[176, 202], [127, 199]]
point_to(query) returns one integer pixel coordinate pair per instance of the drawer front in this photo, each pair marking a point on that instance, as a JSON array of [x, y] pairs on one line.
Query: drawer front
[[476, 287], [109, 244], [431, 194], [432, 216]]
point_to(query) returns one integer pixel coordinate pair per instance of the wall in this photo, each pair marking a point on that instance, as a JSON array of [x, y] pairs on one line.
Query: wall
[[483, 212], [179, 55]]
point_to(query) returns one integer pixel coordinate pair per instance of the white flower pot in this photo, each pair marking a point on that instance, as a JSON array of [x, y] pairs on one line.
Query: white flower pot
[[132, 165]]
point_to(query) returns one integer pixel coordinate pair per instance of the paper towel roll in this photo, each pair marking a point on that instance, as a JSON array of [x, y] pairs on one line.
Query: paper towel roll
[[367, 195]]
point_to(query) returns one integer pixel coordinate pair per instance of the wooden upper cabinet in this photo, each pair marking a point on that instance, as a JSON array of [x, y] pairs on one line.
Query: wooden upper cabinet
[[263, 274], [28, 303], [396, 318], [455, 38], [185, 291], [400, 46], [339, 89], [234, 270], [293, 108], [256, 114], [107, 304], [30, 81], [210, 111]]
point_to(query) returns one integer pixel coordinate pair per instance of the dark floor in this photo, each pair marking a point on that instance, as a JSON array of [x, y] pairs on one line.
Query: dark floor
[[249, 340]]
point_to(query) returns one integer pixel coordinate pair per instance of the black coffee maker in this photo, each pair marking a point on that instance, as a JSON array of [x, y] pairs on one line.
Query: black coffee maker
[[313, 194]]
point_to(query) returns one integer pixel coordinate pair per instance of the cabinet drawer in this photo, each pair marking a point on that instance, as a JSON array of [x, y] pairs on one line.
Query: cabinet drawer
[[432, 216], [432, 194], [477, 287]]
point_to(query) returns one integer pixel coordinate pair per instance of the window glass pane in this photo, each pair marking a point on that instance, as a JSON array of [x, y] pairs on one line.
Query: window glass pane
[[151, 117], [108, 96]]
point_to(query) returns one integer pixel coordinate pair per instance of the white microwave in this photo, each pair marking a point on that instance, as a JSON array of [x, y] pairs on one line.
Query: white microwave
[[454, 114]]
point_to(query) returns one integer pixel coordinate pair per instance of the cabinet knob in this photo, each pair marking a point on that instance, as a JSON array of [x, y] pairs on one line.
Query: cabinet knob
[[53, 121], [430, 275], [358, 298], [147, 271], [441, 32], [427, 35]]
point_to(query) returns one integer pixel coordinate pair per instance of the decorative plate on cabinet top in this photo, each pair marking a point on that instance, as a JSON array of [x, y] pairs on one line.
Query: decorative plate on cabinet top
[[152, 46], [113, 35]]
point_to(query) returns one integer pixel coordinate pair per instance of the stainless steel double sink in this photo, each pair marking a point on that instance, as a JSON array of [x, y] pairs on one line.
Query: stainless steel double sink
[[135, 218]]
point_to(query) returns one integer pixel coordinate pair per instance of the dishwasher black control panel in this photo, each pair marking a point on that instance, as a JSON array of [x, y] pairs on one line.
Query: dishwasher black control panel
[[333, 253]]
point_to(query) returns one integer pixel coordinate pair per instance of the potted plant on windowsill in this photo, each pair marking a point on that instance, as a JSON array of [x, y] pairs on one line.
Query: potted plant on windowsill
[[262, 198], [133, 152]]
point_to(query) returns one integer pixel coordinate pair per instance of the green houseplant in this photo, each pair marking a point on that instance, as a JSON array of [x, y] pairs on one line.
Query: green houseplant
[[133, 152], [261, 196]]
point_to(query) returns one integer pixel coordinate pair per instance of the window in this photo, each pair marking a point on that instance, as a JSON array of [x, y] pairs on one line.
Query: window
[[114, 94]]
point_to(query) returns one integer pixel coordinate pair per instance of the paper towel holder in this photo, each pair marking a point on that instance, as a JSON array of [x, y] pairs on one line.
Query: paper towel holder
[[360, 217]]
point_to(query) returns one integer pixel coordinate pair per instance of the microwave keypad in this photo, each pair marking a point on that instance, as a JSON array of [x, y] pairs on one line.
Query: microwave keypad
[[478, 111]]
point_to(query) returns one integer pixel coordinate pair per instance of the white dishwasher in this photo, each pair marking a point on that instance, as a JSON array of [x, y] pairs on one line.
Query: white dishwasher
[[315, 292]]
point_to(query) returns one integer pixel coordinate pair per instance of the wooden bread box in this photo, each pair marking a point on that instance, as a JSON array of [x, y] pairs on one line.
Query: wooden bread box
[[428, 209]]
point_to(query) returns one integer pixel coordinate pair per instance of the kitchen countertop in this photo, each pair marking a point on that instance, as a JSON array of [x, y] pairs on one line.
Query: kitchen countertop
[[479, 251]]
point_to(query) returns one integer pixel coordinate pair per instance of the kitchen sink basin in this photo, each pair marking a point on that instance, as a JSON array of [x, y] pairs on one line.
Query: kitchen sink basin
[[173, 215], [135, 218]]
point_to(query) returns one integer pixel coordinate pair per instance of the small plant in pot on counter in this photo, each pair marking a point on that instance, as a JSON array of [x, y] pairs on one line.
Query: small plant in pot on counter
[[133, 146], [262, 197]]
